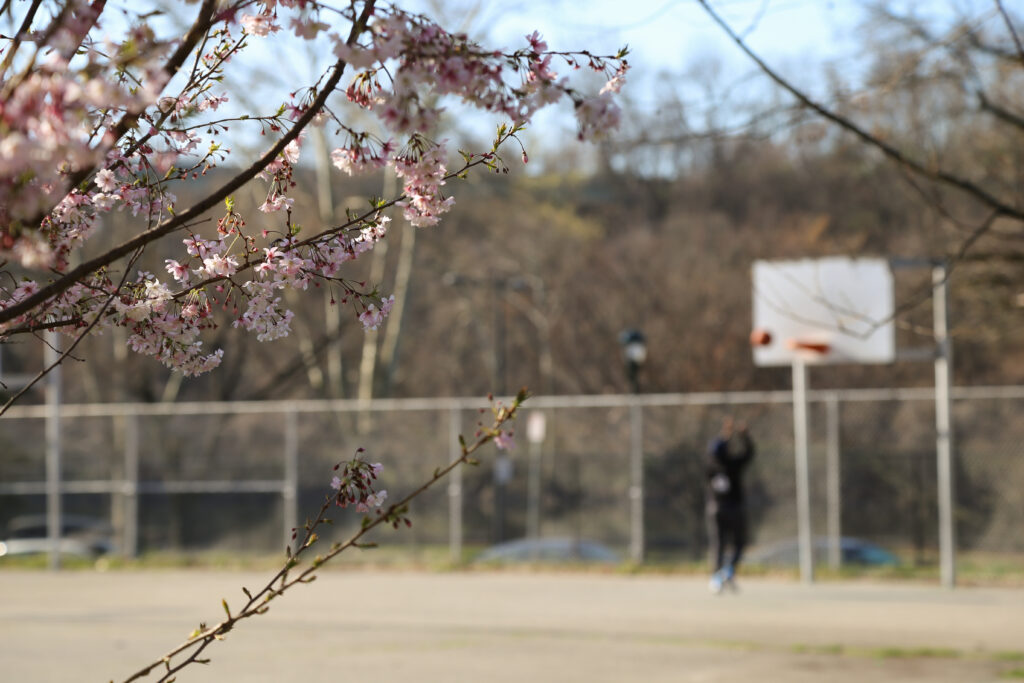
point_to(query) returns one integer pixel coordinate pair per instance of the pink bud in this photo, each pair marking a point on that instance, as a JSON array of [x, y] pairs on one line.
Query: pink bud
[[526, 159]]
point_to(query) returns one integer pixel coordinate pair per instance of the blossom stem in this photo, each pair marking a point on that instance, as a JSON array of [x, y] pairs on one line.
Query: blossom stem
[[257, 602]]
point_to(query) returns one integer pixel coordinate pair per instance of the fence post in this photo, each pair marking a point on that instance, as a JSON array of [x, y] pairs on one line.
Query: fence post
[[455, 488], [944, 429], [130, 486], [535, 428], [290, 490], [833, 483], [636, 489], [53, 465]]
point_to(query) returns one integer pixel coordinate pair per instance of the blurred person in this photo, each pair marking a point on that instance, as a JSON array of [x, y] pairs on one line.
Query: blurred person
[[729, 454]]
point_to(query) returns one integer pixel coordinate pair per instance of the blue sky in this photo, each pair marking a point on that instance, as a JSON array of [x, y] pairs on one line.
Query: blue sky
[[672, 37], [667, 34]]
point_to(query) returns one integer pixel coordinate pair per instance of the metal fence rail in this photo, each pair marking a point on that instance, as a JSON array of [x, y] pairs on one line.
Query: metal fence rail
[[622, 469]]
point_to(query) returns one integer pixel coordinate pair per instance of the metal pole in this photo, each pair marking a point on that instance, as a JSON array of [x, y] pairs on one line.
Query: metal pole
[[833, 488], [803, 480], [944, 429], [53, 470], [130, 487], [290, 491], [455, 488], [636, 489]]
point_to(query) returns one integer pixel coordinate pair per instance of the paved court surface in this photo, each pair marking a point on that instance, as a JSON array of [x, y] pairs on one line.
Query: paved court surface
[[388, 626]]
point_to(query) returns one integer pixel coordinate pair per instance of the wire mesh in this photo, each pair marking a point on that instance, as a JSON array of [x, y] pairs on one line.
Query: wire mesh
[[887, 475]]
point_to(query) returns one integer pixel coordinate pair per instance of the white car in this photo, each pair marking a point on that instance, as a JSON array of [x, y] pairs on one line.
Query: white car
[[86, 536]]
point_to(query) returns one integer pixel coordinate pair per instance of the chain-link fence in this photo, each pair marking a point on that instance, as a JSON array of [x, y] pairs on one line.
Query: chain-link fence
[[184, 477]]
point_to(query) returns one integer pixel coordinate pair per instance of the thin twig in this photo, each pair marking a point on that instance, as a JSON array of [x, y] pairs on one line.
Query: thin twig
[[926, 290], [99, 316], [257, 603], [199, 29]]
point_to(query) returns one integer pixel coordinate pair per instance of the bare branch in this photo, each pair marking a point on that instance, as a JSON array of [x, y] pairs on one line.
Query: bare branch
[[1004, 115], [936, 174], [26, 24], [1011, 29]]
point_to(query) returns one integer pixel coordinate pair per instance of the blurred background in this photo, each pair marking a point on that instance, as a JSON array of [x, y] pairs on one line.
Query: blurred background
[[532, 278]]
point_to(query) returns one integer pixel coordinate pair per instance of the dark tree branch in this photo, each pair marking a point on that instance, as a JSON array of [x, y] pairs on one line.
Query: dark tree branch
[[1009, 27], [935, 174], [16, 40], [999, 112]]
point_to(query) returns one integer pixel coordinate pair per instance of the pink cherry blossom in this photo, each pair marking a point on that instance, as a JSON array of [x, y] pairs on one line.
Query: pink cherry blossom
[[84, 112], [373, 317], [259, 25], [105, 180], [504, 440]]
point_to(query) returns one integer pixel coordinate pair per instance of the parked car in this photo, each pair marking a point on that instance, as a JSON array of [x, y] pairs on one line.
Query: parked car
[[85, 536], [548, 550], [854, 552]]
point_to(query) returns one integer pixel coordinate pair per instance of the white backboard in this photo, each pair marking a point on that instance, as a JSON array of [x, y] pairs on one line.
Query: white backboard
[[846, 303]]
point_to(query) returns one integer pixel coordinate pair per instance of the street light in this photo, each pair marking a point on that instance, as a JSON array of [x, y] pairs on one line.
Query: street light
[[634, 353]]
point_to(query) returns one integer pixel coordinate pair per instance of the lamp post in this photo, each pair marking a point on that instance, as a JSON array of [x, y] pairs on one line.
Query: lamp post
[[634, 352]]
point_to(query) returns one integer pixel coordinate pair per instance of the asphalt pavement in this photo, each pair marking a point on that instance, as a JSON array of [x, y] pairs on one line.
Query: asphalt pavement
[[509, 626]]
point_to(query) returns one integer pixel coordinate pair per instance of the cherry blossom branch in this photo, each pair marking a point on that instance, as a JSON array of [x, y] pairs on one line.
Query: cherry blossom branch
[[136, 172], [491, 160], [936, 174], [395, 514], [204, 20], [64, 354], [72, 276]]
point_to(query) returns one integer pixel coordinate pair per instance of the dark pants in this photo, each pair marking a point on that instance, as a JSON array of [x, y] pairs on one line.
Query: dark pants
[[727, 526]]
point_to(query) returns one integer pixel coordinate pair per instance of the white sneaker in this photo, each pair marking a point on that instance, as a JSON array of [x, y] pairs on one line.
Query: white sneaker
[[715, 585]]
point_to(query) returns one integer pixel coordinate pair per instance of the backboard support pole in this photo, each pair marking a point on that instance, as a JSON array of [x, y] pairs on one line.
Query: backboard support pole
[[833, 482], [803, 478]]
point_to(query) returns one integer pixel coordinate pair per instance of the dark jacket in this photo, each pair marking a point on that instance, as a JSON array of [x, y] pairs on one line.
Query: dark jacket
[[726, 461]]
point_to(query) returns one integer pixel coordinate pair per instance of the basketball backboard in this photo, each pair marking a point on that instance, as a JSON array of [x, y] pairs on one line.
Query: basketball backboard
[[823, 311]]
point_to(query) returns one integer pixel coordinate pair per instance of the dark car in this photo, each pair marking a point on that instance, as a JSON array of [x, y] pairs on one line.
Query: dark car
[[854, 552], [85, 536], [548, 550]]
